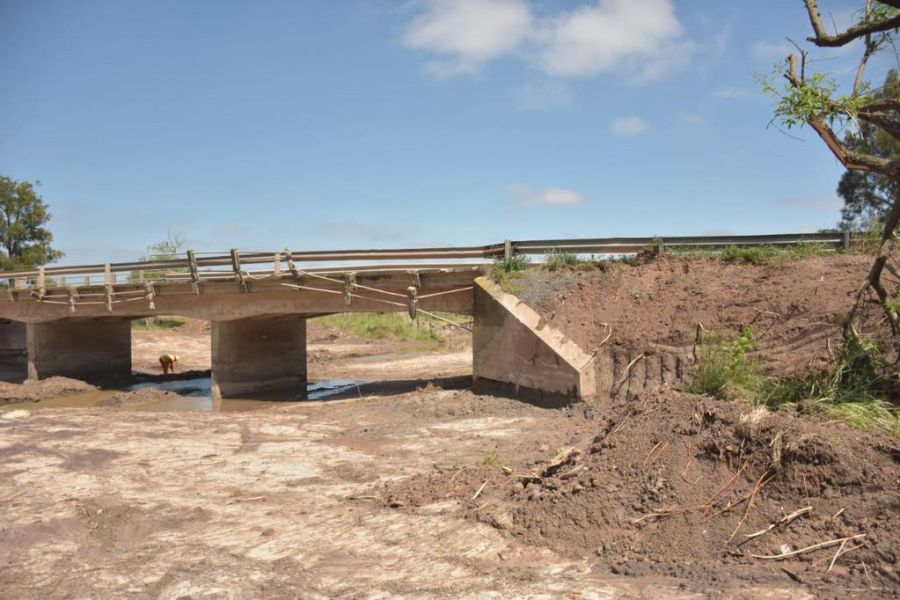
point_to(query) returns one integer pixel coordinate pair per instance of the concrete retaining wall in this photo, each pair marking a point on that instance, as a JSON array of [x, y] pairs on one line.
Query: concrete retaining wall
[[512, 345]]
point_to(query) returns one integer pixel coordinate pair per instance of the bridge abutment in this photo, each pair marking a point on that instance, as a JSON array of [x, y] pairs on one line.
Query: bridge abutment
[[514, 349], [88, 349], [256, 355]]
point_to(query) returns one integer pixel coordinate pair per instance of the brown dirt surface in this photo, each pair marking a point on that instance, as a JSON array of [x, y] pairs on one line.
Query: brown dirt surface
[[662, 301], [663, 489], [276, 503], [794, 309], [35, 391]]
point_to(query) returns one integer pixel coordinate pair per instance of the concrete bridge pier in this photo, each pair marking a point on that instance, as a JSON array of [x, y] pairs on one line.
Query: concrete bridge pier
[[12, 337], [256, 355], [81, 349]]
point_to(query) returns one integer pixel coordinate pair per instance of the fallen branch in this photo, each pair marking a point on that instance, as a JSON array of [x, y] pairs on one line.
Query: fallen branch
[[793, 575], [457, 473], [847, 551], [626, 373], [712, 499], [783, 521], [363, 497], [759, 485], [478, 493], [836, 554], [649, 454], [827, 544], [571, 472]]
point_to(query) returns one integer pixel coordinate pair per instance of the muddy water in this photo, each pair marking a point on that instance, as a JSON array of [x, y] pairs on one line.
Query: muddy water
[[195, 395]]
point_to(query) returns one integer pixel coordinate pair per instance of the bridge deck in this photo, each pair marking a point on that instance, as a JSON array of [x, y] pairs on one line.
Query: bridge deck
[[223, 296]]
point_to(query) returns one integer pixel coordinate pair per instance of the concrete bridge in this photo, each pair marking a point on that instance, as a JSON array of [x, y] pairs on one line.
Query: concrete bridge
[[76, 321]]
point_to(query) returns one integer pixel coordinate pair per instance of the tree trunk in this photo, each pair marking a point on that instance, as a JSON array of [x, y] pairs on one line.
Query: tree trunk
[[874, 278]]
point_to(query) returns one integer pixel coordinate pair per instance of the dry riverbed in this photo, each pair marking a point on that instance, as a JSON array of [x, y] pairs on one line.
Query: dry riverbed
[[398, 488]]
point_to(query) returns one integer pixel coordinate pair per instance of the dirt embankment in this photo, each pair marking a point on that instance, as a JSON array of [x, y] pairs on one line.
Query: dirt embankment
[[34, 391], [656, 309], [700, 489]]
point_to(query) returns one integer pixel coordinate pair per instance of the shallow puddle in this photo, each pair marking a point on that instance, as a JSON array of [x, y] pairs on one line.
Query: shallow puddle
[[193, 395]]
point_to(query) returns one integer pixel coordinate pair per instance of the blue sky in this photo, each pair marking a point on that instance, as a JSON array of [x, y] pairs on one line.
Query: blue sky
[[366, 123]]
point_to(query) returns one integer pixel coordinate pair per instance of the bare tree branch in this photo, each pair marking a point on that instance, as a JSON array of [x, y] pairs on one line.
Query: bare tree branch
[[825, 40], [884, 122], [870, 49], [850, 159]]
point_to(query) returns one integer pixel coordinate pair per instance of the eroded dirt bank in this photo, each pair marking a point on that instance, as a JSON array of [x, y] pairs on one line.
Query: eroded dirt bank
[[700, 489], [795, 310]]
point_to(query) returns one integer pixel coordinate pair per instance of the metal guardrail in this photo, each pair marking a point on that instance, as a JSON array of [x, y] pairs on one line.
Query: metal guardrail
[[199, 267]]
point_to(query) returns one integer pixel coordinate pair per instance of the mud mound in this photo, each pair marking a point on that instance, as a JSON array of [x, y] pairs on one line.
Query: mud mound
[[655, 309], [148, 395], [34, 391], [681, 485], [193, 327]]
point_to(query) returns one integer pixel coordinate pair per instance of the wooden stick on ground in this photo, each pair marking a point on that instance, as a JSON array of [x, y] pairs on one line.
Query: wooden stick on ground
[[808, 548], [712, 499], [478, 493], [836, 554], [649, 454], [627, 372], [847, 551], [759, 484], [783, 521]]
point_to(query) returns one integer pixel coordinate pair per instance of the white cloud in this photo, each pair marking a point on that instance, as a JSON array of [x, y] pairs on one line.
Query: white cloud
[[611, 35], [730, 92], [468, 33], [643, 39], [629, 126], [540, 95], [552, 196]]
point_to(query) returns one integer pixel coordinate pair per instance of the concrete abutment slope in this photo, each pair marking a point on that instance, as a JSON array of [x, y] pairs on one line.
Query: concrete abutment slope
[[251, 356], [513, 346]]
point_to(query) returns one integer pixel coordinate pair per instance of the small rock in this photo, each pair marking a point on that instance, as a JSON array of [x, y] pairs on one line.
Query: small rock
[[15, 414]]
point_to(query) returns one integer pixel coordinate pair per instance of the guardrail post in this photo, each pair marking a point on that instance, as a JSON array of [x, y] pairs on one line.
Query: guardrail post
[[507, 251], [236, 267], [195, 272], [110, 281], [845, 239], [41, 284]]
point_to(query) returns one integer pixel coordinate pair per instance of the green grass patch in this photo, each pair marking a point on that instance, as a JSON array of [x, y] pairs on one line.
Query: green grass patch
[[766, 255], [395, 326], [492, 459], [853, 390], [558, 259], [157, 323], [506, 271]]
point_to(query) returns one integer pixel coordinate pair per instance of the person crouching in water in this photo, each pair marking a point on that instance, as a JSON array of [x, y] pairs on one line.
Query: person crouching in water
[[167, 361]]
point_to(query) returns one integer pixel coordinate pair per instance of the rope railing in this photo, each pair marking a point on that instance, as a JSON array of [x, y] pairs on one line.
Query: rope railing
[[200, 266]]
